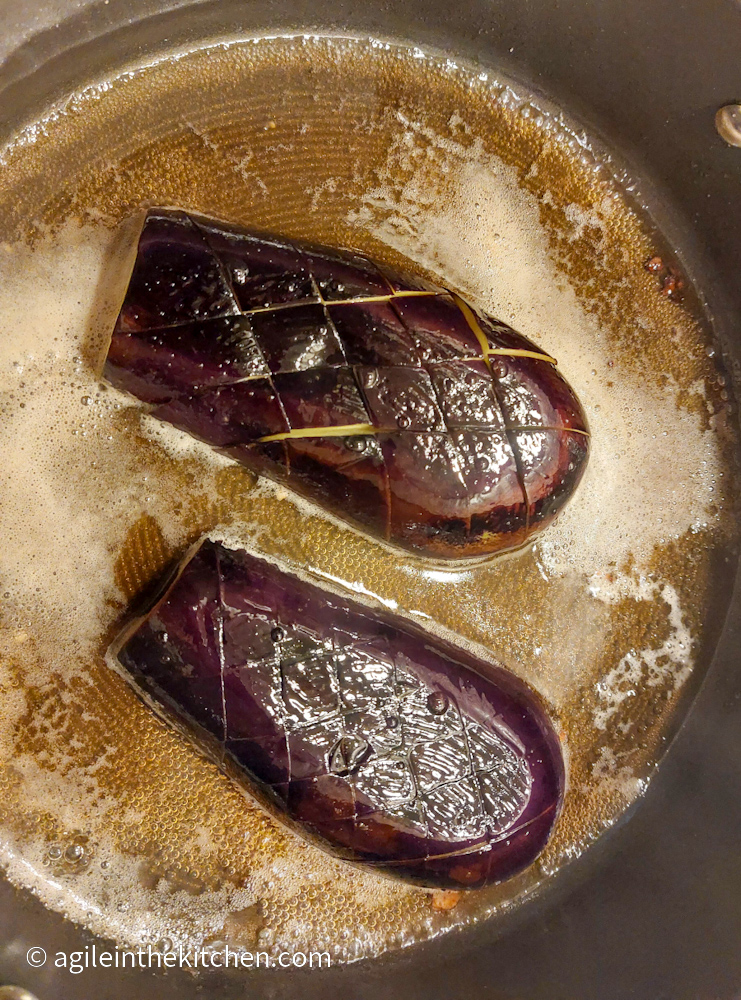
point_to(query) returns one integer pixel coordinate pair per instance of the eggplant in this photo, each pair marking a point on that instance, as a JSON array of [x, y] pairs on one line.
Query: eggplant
[[386, 745], [387, 400]]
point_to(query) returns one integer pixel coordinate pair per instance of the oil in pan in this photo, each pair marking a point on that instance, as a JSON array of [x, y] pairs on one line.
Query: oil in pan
[[434, 167]]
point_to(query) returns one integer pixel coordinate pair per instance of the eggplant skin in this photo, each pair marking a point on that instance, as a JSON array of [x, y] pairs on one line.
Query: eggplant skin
[[388, 746], [386, 400]]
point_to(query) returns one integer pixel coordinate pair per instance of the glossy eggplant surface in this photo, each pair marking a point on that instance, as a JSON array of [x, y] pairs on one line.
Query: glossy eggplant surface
[[388, 401], [389, 746]]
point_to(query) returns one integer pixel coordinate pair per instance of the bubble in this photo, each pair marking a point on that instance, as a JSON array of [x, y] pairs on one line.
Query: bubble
[[266, 937], [437, 703], [74, 853]]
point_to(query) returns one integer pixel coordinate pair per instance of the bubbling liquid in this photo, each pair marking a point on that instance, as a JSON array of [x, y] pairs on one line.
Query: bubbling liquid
[[106, 813]]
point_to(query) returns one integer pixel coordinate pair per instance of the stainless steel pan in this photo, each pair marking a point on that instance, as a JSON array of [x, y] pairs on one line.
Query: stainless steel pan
[[654, 912]]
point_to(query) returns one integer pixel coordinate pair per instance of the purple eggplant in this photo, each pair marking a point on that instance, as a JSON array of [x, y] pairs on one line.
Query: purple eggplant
[[387, 400], [387, 745]]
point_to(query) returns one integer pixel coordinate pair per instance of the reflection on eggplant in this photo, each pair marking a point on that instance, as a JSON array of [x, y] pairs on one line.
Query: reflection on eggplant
[[387, 745], [388, 401]]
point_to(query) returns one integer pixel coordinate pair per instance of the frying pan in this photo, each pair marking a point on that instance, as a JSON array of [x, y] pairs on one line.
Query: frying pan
[[653, 912]]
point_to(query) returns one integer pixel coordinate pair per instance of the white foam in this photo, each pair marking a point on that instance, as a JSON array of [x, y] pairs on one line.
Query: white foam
[[654, 466], [55, 557], [616, 778], [178, 444], [668, 665]]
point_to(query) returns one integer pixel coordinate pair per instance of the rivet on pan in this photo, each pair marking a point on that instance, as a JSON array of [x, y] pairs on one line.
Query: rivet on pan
[[728, 124]]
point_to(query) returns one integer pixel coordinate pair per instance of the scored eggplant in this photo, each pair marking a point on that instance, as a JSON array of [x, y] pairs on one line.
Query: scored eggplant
[[388, 745], [388, 401]]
